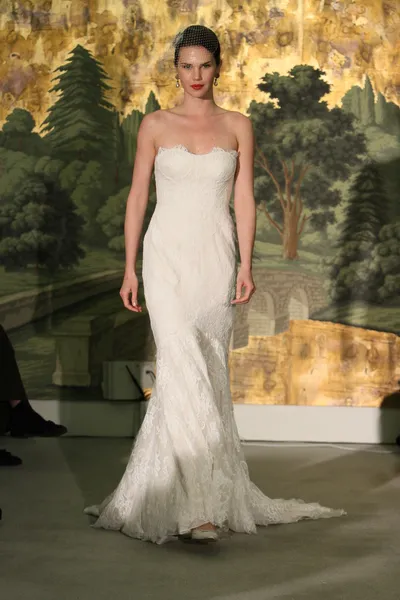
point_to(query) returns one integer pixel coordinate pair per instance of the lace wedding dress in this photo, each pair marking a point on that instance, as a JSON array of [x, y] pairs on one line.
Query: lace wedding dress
[[187, 466]]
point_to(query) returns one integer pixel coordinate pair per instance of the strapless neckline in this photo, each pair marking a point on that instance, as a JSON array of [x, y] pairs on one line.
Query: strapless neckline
[[231, 152]]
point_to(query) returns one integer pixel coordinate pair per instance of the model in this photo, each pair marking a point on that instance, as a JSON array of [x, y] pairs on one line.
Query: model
[[187, 475]]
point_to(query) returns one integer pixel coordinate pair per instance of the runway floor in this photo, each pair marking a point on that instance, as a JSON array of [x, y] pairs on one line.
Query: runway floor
[[48, 551]]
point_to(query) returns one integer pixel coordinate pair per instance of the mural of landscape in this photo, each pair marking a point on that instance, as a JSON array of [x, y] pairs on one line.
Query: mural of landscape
[[319, 81]]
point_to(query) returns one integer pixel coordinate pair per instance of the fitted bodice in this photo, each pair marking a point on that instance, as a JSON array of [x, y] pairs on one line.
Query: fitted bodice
[[193, 193], [200, 182]]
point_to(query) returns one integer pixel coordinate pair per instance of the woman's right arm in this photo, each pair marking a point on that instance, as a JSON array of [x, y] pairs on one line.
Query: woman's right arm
[[139, 193], [136, 207]]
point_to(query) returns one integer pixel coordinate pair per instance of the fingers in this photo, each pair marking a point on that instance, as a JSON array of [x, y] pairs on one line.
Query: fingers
[[239, 286], [136, 307], [250, 289], [130, 302]]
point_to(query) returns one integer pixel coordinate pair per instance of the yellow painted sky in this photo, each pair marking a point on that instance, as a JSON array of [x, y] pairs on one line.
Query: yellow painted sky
[[133, 40]]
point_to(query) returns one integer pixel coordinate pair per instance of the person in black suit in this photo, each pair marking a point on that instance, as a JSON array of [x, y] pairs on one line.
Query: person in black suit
[[22, 420]]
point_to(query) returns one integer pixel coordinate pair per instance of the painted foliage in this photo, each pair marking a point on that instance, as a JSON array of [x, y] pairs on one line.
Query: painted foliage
[[320, 83]]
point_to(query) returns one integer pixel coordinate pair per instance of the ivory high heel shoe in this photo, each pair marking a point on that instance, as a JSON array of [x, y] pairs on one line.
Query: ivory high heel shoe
[[204, 535]]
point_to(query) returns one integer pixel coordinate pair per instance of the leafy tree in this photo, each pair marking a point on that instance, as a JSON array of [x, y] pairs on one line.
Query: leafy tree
[[384, 268], [14, 168], [39, 226], [17, 134], [81, 121], [49, 168], [70, 174], [112, 217], [302, 149], [89, 196], [365, 216]]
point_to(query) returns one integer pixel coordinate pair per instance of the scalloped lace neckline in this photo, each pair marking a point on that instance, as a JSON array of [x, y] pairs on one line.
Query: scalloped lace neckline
[[185, 149]]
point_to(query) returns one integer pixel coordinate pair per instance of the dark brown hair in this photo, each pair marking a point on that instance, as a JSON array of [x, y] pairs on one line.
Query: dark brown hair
[[197, 35]]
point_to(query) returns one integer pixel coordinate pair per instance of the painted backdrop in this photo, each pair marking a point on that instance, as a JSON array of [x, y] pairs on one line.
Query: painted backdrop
[[320, 82]]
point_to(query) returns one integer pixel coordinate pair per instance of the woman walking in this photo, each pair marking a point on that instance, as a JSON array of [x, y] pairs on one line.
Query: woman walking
[[187, 474]]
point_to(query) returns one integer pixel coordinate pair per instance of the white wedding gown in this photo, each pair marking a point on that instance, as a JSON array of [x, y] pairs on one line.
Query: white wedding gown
[[187, 466]]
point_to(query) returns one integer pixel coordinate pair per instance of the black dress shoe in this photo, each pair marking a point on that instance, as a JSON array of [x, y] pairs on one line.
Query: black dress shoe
[[9, 460], [25, 422]]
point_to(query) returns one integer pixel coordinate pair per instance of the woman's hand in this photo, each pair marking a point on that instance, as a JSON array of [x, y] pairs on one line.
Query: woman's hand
[[244, 280], [129, 292]]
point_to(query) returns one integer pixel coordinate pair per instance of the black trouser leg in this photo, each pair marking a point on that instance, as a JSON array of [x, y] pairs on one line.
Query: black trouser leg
[[23, 420], [11, 386]]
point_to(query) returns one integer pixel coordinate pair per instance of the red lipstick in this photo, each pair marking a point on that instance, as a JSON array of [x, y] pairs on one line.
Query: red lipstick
[[197, 86]]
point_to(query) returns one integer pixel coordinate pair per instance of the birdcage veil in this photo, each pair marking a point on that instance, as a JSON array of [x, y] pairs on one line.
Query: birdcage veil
[[196, 35]]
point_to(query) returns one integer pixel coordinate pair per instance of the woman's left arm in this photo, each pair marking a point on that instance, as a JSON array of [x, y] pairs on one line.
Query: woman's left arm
[[245, 207]]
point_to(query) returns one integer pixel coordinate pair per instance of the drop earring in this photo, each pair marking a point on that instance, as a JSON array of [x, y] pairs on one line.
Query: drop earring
[[216, 80], [177, 82]]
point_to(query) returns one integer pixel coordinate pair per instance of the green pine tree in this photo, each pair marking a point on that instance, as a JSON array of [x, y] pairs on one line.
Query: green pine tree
[[81, 122], [130, 127], [367, 209], [152, 104], [367, 212]]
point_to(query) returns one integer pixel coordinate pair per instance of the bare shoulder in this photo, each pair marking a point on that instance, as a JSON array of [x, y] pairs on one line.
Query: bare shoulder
[[242, 128], [239, 120], [239, 123], [238, 116], [151, 125], [151, 119], [147, 124], [162, 114], [156, 118]]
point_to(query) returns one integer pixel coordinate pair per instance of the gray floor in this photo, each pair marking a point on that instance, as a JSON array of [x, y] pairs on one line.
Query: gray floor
[[49, 552]]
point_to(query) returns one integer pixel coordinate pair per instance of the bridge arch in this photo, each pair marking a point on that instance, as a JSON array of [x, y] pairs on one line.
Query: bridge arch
[[262, 314], [298, 305]]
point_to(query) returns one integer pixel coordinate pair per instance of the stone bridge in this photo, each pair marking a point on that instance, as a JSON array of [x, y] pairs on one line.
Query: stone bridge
[[281, 296]]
